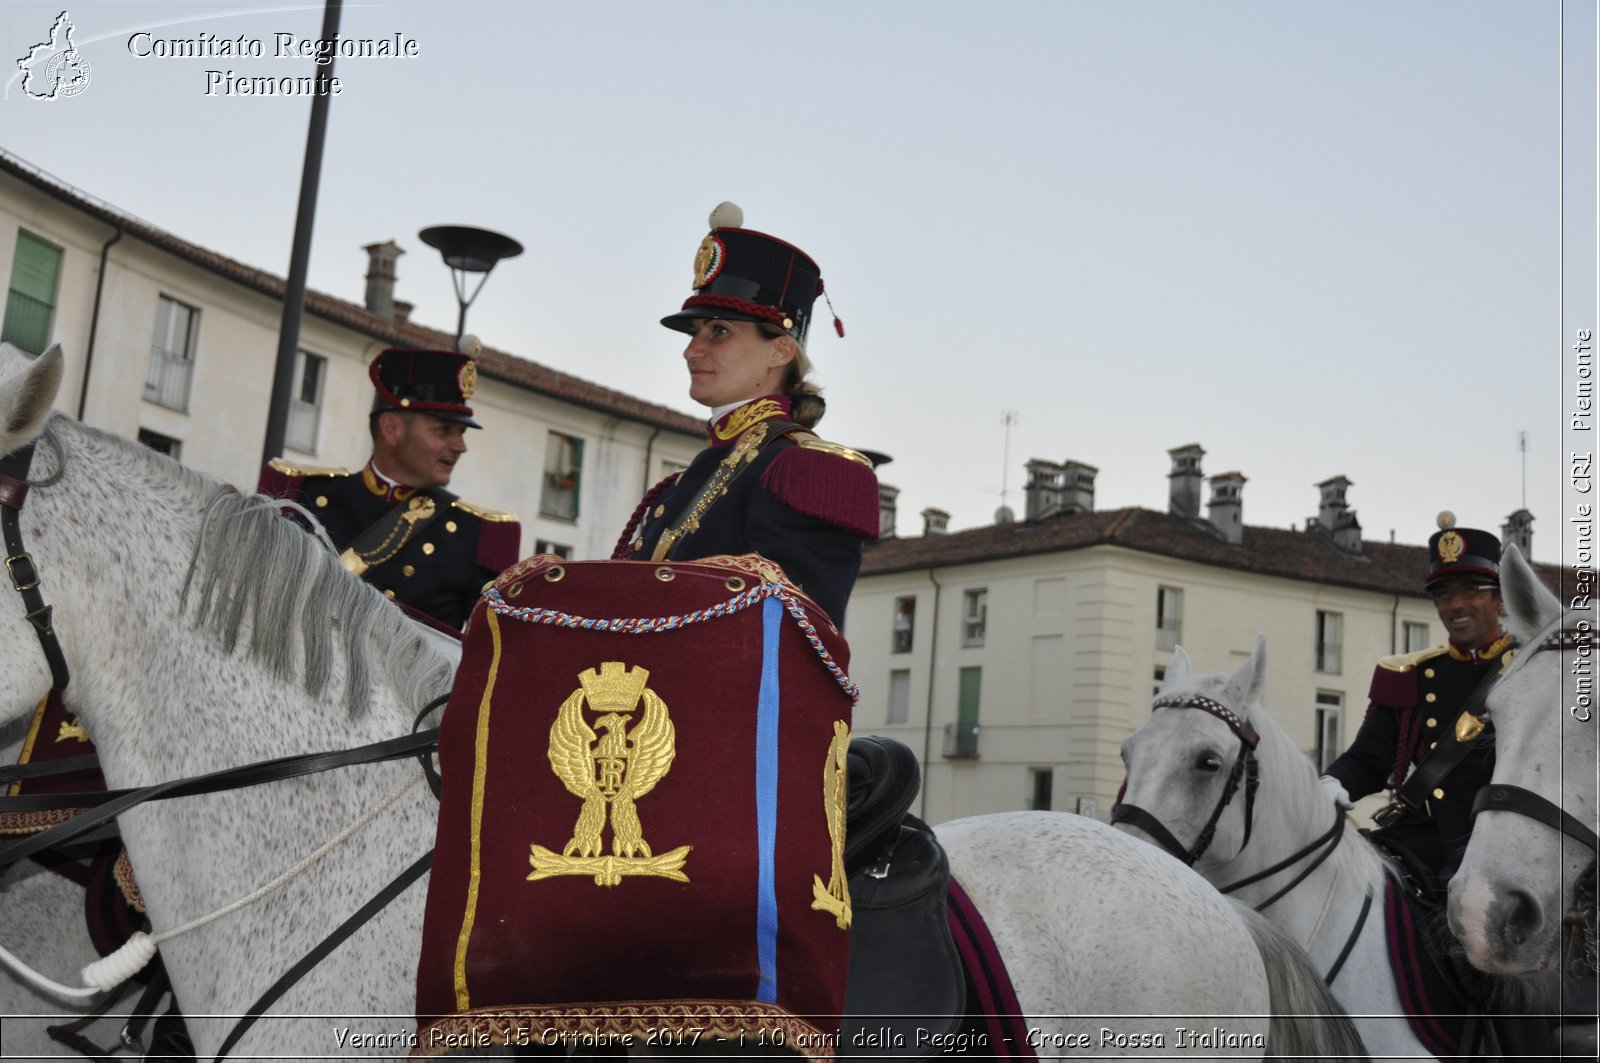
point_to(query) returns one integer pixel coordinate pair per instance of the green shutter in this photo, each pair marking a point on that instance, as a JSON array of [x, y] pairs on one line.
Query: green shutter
[[30, 304]]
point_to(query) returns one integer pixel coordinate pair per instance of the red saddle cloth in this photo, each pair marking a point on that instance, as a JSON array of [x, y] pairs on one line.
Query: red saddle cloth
[[641, 827], [53, 734]]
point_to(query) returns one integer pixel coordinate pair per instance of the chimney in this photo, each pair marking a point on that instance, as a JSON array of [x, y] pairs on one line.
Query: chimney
[[1077, 487], [1518, 529], [1226, 508], [1335, 519], [935, 521], [1043, 493], [381, 259], [402, 311], [886, 508], [1183, 496]]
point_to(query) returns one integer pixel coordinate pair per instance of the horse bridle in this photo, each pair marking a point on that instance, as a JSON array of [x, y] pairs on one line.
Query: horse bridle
[[19, 564], [1245, 770], [1504, 797]]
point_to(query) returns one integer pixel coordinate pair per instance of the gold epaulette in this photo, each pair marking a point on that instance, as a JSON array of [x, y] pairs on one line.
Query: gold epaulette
[[483, 513], [1405, 662], [305, 470], [809, 441]]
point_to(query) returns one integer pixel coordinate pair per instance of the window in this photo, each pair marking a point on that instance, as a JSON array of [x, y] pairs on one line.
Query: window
[[1330, 707], [668, 467], [1040, 781], [975, 616], [1169, 617], [905, 622], [545, 546], [563, 477], [1160, 677], [1330, 639], [1416, 636], [31, 303], [305, 402], [171, 355], [899, 695], [160, 444], [961, 737]]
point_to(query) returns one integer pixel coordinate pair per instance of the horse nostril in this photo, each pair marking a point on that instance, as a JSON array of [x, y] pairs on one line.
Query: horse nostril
[[1520, 916]]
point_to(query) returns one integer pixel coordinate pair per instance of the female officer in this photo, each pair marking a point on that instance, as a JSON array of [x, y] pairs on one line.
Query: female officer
[[765, 483]]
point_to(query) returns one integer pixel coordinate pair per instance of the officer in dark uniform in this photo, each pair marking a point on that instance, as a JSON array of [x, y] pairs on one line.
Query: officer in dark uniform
[[765, 483], [1416, 706], [393, 521]]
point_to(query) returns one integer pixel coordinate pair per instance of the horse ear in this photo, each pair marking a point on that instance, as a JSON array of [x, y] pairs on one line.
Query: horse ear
[[1178, 670], [1529, 603], [1249, 678], [25, 400]]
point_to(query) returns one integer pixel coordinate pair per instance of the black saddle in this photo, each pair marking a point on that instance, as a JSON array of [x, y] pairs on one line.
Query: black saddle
[[907, 991]]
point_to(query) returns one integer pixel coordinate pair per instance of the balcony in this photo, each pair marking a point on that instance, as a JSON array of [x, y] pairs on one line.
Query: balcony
[[167, 381], [961, 741]]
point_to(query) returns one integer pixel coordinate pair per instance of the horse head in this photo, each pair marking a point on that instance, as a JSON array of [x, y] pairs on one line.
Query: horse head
[[1517, 879]]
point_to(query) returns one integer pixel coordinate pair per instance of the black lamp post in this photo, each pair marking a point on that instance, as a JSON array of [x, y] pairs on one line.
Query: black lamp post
[[467, 250]]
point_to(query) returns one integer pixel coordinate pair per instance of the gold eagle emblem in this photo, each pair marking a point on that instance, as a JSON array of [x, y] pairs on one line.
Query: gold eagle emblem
[[1451, 547], [609, 767], [834, 897]]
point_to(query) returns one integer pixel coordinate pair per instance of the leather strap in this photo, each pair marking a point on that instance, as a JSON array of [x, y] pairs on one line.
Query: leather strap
[[389, 534], [1449, 752], [24, 577], [1503, 797], [749, 447]]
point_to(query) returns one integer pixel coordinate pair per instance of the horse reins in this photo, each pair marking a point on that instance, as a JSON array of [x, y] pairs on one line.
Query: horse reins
[[1245, 769], [19, 564]]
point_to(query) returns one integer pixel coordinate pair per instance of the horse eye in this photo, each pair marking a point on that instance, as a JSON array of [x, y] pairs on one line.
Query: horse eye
[[1209, 762]]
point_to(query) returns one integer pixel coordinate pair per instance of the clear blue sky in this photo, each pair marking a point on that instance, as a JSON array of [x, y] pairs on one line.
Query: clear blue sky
[[1315, 238]]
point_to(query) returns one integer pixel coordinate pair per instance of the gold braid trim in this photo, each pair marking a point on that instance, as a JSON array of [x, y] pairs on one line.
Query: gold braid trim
[[37, 820], [641, 1023], [122, 872], [745, 450]]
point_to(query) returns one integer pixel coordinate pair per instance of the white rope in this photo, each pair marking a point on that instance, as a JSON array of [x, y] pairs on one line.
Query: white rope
[[1326, 904], [110, 972]]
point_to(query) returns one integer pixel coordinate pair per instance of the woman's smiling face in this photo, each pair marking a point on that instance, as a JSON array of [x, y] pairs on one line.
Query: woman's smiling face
[[733, 361]]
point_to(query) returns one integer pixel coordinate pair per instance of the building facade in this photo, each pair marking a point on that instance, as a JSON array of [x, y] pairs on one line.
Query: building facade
[[1015, 658], [176, 345]]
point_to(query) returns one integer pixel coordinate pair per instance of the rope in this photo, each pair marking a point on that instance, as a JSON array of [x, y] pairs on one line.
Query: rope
[[115, 969], [530, 614]]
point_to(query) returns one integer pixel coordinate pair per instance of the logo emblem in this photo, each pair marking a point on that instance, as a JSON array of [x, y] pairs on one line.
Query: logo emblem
[[54, 69], [467, 378], [834, 897], [1451, 547], [609, 772], [708, 261]]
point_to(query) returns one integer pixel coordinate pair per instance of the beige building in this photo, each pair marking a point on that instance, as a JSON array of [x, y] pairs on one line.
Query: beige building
[[176, 345], [1015, 658]]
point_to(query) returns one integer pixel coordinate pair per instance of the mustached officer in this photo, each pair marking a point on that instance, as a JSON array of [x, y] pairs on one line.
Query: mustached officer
[[393, 521]]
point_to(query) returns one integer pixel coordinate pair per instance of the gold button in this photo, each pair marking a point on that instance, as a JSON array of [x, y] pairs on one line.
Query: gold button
[[427, 548], [660, 510], [1428, 672], [322, 500], [1433, 745], [1431, 698], [409, 570], [449, 525], [1432, 722], [405, 402], [638, 544], [1437, 792], [389, 594]]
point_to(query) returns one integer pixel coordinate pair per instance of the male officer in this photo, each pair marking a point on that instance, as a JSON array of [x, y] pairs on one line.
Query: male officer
[[396, 525], [1416, 703]]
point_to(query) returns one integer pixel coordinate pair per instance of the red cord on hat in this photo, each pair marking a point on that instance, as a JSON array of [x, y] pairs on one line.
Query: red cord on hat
[[838, 326]]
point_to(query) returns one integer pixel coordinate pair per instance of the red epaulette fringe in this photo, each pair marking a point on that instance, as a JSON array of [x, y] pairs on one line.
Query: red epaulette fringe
[[826, 486], [277, 484], [499, 544]]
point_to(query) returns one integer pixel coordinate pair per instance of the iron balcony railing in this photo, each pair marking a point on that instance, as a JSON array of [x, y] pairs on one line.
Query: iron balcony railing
[[960, 741], [167, 381]]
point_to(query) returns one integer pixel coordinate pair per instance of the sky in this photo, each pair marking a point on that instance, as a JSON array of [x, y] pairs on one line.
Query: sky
[[1316, 238]]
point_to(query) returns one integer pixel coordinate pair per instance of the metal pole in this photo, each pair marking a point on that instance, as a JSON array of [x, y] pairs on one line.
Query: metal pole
[[294, 293]]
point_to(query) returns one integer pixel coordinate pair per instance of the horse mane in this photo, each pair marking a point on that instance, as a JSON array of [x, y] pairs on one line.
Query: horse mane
[[249, 562]]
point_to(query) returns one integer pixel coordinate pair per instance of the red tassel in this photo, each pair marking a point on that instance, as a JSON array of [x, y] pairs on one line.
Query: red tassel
[[838, 326], [826, 486], [499, 544]]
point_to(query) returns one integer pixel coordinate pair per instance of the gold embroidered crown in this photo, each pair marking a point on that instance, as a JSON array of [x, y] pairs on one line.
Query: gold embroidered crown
[[615, 688]]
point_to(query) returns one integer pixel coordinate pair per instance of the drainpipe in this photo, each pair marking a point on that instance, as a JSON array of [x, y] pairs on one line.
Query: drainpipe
[[1394, 626], [94, 322], [649, 459], [927, 721]]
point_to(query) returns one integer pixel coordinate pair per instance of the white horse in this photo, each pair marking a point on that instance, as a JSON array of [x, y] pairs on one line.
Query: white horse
[[1290, 851], [292, 655], [1518, 878]]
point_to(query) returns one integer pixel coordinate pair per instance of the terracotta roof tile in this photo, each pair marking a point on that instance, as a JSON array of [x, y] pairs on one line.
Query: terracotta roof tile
[[493, 363], [1385, 568]]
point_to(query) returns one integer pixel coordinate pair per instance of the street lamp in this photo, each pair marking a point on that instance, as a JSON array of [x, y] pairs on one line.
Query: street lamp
[[467, 250]]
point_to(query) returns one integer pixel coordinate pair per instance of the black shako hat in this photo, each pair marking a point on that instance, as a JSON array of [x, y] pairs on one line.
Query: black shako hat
[[743, 275], [1462, 553], [436, 382]]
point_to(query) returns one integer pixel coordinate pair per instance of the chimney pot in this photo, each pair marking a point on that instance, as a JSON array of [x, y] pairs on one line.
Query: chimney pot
[[381, 260], [1518, 529], [1225, 511], [887, 495], [1183, 495], [935, 521]]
